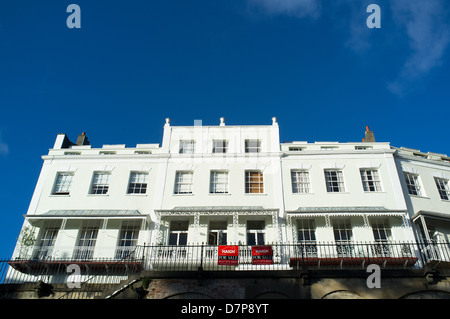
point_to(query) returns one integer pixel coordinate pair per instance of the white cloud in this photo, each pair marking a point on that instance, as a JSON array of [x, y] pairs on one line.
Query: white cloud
[[297, 8], [428, 34], [425, 23]]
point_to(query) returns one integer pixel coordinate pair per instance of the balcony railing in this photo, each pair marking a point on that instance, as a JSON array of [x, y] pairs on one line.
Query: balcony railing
[[50, 264], [301, 255], [286, 256]]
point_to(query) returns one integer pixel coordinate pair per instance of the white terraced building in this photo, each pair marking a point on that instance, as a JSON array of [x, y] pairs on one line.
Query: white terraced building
[[425, 179], [227, 185]]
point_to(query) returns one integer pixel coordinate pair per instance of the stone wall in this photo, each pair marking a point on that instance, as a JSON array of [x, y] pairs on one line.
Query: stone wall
[[247, 286]]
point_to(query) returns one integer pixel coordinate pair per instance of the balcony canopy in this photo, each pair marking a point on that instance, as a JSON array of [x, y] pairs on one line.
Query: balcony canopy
[[87, 214]]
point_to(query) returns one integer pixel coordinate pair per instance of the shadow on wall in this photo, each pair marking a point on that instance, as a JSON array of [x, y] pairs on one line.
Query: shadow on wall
[[427, 294], [342, 294]]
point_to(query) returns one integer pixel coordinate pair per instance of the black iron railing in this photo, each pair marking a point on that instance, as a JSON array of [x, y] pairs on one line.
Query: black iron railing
[[287, 256]]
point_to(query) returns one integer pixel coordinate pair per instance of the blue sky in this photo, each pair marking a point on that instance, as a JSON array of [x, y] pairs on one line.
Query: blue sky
[[314, 64]]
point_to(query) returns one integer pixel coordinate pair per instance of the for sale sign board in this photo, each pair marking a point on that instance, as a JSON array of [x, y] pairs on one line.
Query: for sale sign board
[[262, 255], [228, 255]]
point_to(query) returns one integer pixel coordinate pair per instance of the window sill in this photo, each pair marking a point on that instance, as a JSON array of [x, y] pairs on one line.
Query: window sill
[[183, 194], [97, 195], [61, 195], [374, 192], [419, 196], [131, 194], [338, 192], [219, 194], [255, 194], [301, 194]]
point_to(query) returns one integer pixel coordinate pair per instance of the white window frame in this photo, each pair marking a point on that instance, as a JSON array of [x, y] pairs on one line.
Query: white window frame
[[63, 183], [306, 237], [87, 241], [413, 184], [371, 181], [187, 147], [252, 185], [343, 236], [217, 230], [219, 182], [128, 238], [300, 181], [382, 233], [47, 240], [259, 233], [334, 184], [184, 181], [100, 183], [443, 187], [252, 146], [220, 146], [138, 183], [382, 230], [178, 232]]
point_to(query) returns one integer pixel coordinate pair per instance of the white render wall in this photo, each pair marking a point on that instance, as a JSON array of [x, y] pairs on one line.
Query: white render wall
[[350, 163]]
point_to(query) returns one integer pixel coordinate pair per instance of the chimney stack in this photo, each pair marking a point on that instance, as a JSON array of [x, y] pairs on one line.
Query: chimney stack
[[369, 136], [82, 139]]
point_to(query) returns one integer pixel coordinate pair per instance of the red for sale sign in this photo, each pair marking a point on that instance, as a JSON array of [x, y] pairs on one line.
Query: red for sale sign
[[262, 255], [228, 255]]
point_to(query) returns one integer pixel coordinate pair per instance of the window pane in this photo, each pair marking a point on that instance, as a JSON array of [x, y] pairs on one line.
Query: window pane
[[219, 182], [371, 180], [100, 183], [443, 188], [334, 181], [182, 239], [251, 239], [413, 184], [187, 147], [173, 238], [183, 183], [63, 183], [220, 146], [254, 182], [300, 182], [138, 183], [260, 237], [252, 146]]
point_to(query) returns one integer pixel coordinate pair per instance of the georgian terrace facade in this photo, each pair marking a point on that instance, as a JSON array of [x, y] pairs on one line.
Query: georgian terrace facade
[[216, 185]]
